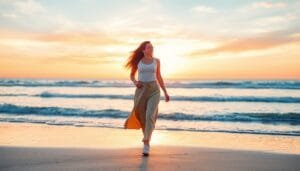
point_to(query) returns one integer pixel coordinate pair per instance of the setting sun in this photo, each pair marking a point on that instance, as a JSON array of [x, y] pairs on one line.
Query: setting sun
[[172, 59]]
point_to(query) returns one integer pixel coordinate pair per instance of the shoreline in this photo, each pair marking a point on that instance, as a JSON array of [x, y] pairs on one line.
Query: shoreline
[[41, 135]]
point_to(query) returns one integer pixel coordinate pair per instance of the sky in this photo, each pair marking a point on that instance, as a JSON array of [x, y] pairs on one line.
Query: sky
[[194, 39]]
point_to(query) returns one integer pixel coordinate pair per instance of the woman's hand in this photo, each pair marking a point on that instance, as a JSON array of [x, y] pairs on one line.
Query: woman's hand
[[138, 84], [167, 97]]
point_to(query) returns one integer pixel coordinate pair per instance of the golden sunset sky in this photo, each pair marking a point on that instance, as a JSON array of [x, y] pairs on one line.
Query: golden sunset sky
[[194, 39]]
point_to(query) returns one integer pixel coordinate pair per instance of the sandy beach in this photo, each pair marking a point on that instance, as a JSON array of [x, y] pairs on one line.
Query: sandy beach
[[27, 146]]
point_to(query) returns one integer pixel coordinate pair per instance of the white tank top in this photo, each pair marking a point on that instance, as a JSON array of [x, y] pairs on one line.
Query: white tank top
[[147, 72]]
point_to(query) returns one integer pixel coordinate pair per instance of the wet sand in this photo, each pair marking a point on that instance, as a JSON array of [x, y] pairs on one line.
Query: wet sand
[[26, 146]]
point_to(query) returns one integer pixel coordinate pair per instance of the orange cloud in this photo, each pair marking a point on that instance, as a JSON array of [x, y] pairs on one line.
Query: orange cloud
[[260, 42], [78, 37], [94, 38]]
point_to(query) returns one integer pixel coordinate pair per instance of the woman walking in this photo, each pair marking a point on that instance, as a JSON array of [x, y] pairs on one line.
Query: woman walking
[[147, 91]]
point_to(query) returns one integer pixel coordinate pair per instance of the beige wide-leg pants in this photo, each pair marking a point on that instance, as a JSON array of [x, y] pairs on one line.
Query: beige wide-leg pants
[[145, 110]]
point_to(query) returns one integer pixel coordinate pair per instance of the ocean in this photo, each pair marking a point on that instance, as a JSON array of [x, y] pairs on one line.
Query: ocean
[[233, 106]]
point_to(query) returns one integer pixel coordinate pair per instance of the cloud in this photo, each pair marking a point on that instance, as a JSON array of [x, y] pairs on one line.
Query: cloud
[[18, 8], [269, 5], [203, 9], [258, 42], [264, 7], [8, 15], [28, 6], [80, 37], [33, 16], [83, 38], [52, 54], [279, 19], [72, 47], [80, 59]]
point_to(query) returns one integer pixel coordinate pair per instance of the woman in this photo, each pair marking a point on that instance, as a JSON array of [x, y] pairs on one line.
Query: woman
[[147, 91]]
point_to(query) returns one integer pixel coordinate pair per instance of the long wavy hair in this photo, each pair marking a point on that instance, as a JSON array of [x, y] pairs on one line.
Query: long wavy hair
[[136, 56]]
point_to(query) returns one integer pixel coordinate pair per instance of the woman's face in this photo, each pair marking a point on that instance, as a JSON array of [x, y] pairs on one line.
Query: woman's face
[[148, 49]]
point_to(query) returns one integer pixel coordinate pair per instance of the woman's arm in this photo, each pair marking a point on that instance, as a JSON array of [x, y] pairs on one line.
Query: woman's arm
[[132, 75], [161, 81], [132, 78]]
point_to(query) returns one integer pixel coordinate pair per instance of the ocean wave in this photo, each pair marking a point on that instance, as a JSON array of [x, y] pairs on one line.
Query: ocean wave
[[271, 84], [59, 111], [271, 118], [183, 98], [47, 94], [105, 124], [264, 132]]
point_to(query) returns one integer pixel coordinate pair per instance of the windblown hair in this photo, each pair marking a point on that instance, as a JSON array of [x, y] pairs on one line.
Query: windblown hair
[[136, 56]]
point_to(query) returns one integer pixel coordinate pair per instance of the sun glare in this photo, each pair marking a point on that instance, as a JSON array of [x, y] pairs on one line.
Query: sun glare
[[157, 138], [171, 61]]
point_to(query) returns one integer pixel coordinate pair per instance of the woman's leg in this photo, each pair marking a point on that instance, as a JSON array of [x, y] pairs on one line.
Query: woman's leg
[[151, 115]]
